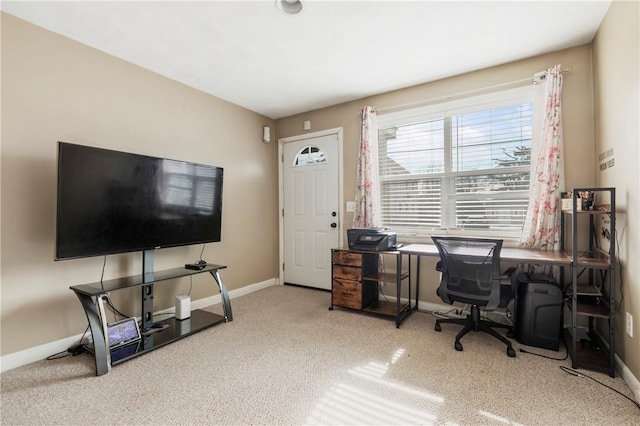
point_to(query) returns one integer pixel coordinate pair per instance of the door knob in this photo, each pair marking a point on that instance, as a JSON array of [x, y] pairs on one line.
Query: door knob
[[333, 225]]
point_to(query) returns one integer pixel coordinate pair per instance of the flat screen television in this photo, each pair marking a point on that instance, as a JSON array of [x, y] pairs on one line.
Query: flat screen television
[[115, 202]]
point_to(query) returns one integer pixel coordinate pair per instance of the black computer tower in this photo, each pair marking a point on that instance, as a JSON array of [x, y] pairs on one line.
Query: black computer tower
[[538, 314]]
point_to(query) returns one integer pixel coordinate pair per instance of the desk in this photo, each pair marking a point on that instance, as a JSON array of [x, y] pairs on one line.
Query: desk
[[507, 254]]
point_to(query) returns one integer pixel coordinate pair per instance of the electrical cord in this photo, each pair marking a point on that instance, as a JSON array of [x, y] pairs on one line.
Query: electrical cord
[[78, 348], [506, 315], [458, 312], [574, 372], [190, 285], [578, 374], [104, 263], [381, 293], [566, 355], [59, 355], [564, 343], [74, 350], [115, 310]]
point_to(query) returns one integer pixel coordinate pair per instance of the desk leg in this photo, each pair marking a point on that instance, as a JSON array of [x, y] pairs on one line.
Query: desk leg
[[399, 289], [226, 302], [101, 355], [417, 277], [411, 306]]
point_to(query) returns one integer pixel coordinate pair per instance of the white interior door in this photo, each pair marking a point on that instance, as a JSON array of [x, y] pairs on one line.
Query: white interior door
[[311, 225]]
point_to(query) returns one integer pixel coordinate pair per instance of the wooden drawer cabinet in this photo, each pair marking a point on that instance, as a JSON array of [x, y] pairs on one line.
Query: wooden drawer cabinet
[[346, 293], [347, 272], [347, 287], [345, 257], [355, 279]]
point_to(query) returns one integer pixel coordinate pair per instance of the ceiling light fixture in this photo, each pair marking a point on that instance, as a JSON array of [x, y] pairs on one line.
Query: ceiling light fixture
[[290, 7]]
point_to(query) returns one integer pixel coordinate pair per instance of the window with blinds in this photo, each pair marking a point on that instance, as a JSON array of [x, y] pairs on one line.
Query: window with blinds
[[458, 166]]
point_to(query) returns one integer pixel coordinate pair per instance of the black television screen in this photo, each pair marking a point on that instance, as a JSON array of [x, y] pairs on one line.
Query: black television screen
[[115, 202]]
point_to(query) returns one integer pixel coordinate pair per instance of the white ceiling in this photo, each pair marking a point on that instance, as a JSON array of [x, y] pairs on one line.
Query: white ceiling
[[251, 54]]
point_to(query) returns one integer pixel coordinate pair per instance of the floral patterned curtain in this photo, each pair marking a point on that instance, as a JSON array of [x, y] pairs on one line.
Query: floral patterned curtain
[[542, 222], [367, 211]]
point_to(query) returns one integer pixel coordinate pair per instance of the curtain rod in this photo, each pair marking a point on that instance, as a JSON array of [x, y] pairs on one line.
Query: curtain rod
[[424, 102]]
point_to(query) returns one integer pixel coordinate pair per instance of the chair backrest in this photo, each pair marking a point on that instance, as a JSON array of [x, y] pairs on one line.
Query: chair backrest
[[470, 270]]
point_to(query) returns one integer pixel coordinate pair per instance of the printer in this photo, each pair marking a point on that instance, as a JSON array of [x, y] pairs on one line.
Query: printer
[[371, 239]]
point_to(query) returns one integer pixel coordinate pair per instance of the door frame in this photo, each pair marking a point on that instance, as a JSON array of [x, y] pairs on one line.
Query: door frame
[[335, 131]]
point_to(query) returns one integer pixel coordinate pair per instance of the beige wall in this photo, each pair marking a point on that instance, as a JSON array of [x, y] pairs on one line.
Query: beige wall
[[577, 111], [616, 64], [56, 89]]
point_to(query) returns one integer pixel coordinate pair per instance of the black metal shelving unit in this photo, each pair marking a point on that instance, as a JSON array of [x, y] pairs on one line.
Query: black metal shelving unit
[[592, 297]]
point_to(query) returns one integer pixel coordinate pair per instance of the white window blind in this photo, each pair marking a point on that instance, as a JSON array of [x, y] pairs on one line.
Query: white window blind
[[459, 166]]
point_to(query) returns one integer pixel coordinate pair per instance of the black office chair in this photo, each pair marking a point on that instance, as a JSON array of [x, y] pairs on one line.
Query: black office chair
[[470, 270]]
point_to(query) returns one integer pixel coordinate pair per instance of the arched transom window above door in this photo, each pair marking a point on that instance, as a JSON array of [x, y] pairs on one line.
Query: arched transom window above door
[[308, 156]]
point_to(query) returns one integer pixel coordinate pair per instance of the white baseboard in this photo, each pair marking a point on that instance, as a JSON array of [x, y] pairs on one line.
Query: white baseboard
[[38, 353], [216, 299], [629, 378], [434, 307]]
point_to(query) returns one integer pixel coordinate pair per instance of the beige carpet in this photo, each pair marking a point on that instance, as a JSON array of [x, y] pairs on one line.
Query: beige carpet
[[287, 359]]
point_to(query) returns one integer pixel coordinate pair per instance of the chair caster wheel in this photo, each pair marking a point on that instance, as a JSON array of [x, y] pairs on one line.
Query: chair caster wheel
[[458, 346], [511, 352], [331, 308], [437, 327]]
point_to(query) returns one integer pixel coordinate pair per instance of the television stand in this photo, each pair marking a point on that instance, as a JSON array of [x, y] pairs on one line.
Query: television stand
[[92, 297]]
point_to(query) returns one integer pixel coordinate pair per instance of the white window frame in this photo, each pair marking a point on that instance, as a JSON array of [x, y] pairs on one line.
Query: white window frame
[[441, 110]]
